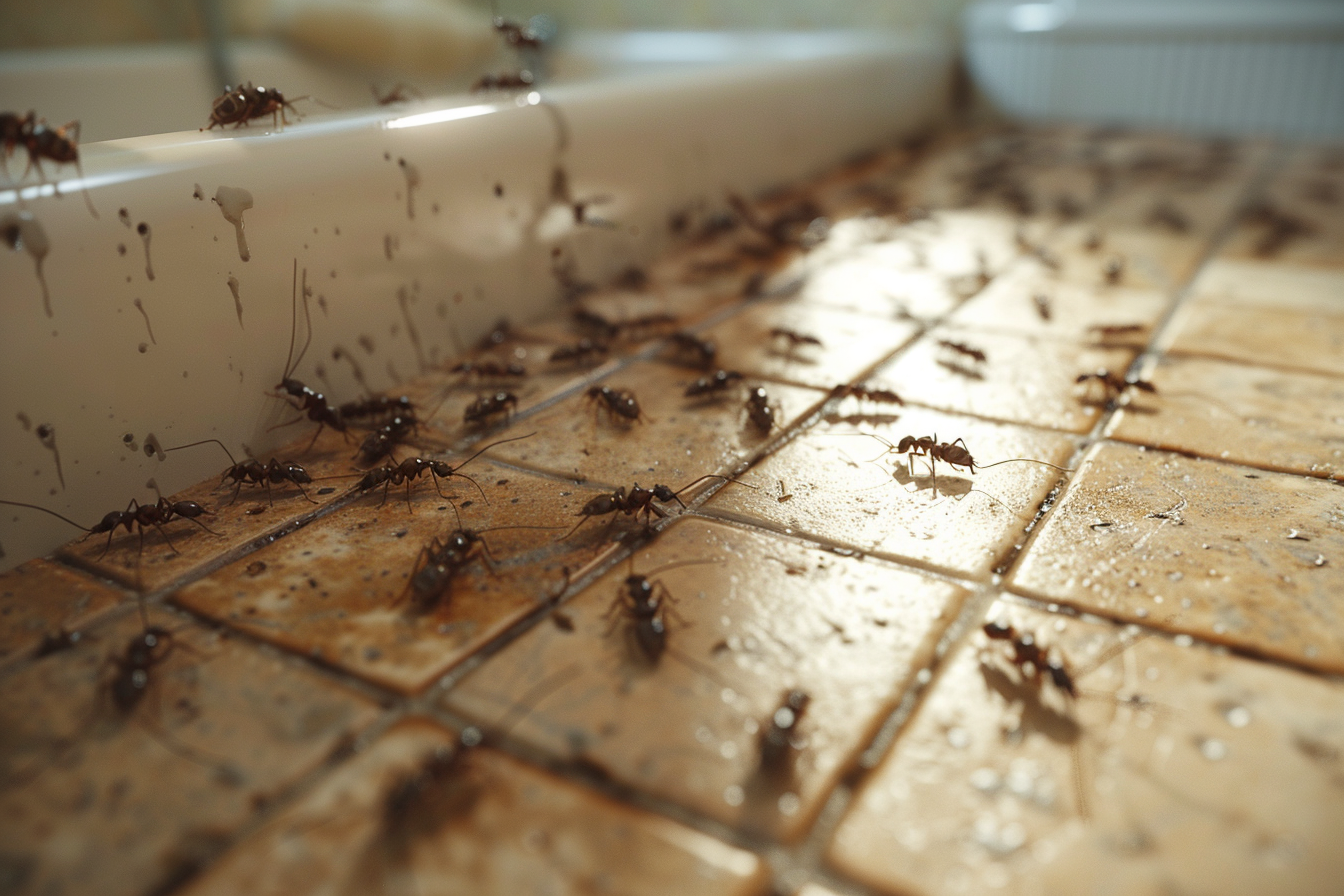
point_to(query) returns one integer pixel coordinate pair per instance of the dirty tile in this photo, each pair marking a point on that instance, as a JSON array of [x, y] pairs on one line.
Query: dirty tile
[[1246, 558], [1264, 314], [1273, 419], [43, 604], [137, 796], [882, 280], [480, 822], [823, 485], [1024, 300], [678, 440], [1298, 217], [149, 558], [339, 590], [848, 345], [1023, 379], [1090, 254], [1175, 769], [748, 617]]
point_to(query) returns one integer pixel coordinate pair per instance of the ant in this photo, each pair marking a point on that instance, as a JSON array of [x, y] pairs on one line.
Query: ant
[[962, 348], [252, 471], [503, 81], [379, 443], [401, 93], [310, 401], [585, 351], [1113, 385], [779, 737], [759, 410], [42, 141], [1033, 662], [616, 402], [487, 406], [442, 559], [378, 407], [793, 338], [954, 454], [239, 105], [413, 467], [647, 605], [859, 391], [596, 324], [714, 384], [694, 351], [518, 37], [136, 514], [639, 500]]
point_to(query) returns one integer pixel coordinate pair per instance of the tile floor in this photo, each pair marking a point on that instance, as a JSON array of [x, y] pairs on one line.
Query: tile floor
[[697, 645]]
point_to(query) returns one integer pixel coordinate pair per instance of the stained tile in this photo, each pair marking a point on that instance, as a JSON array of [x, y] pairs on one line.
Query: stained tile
[[479, 822], [748, 617], [41, 603], [1176, 769], [1022, 379], [186, 547], [822, 484], [339, 590], [137, 798], [1264, 314], [1274, 419], [1025, 300], [678, 440], [1247, 558]]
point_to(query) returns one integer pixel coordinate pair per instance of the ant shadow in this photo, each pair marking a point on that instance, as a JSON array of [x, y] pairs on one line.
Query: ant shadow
[[876, 419], [960, 370]]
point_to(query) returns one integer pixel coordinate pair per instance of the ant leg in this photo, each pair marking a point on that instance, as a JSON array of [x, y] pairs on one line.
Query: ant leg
[[164, 533], [315, 435], [409, 508]]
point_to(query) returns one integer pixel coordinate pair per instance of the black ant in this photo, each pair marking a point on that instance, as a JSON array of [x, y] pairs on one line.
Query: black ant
[[487, 406], [646, 604], [379, 443], [42, 141], [1033, 661], [442, 559], [1113, 385], [618, 403], [714, 384], [252, 471], [638, 500], [779, 737], [401, 93], [954, 454], [503, 81], [694, 351], [793, 338], [136, 514], [866, 393], [759, 410], [239, 105], [377, 408], [389, 475], [585, 351], [962, 348], [313, 403]]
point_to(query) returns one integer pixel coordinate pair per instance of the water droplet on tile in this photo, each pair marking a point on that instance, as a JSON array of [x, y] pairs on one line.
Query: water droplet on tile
[[1237, 716]]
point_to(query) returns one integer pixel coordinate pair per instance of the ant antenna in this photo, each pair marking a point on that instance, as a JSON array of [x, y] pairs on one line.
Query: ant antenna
[[205, 442], [1028, 460], [45, 510], [294, 321]]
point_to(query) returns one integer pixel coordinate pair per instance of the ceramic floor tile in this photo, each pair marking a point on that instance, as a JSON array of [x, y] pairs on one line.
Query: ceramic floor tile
[[339, 589], [1177, 769], [42, 603], [1133, 257], [680, 440], [135, 798], [1273, 419], [233, 524], [1025, 300], [1264, 314], [882, 280], [1298, 218], [850, 344], [1022, 379], [1242, 557], [762, 616], [477, 822], [821, 485]]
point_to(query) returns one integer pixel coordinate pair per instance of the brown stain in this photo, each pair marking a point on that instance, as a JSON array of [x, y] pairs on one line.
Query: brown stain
[[140, 306], [143, 229]]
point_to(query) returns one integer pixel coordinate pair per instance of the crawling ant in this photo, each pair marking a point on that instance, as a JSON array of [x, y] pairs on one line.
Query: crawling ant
[[638, 500], [253, 472], [56, 643], [487, 406], [694, 351], [518, 37], [1112, 384], [42, 141], [962, 348], [442, 559], [866, 393], [1033, 662], [413, 467], [792, 338], [377, 407], [503, 81], [759, 410], [158, 514], [14, 128], [714, 384], [490, 370], [239, 105], [379, 443], [585, 351], [779, 737], [646, 605], [313, 403], [954, 454], [616, 402], [401, 93]]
